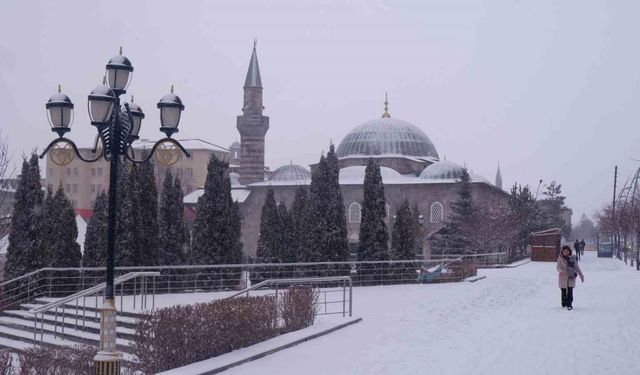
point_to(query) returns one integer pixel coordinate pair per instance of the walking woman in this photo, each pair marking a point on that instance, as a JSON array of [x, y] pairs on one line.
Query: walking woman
[[568, 270]]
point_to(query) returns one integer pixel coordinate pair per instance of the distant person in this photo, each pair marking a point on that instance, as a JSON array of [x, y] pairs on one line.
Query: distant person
[[576, 246], [582, 245], [568, 270]]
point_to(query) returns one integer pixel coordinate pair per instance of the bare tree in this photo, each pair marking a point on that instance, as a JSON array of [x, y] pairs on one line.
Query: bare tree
[[5, 173]]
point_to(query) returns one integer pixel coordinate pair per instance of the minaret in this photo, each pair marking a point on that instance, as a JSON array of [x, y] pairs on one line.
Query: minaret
[[252, 126], [498, 178]]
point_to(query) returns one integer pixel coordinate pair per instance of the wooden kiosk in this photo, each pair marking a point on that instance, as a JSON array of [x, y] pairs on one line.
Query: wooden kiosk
[[545, 245]]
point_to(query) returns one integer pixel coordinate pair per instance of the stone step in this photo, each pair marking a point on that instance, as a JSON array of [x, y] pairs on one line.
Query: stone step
[[87, 325], [23, 330], [71, 313]]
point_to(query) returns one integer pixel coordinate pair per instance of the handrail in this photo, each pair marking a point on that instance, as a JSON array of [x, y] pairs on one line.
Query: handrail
[[89, 291], [216, 266], [294, 280]]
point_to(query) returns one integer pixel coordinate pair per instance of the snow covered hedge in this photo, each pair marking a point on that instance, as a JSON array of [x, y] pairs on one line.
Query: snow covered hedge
[[77, 360], [179, 335]]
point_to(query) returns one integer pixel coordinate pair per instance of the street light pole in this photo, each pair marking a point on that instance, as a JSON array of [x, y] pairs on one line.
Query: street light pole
[[118, 127]]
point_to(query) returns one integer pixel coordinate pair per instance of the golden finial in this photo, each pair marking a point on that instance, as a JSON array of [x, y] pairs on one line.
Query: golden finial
[[172, 89], [59, 88], [386, 107], [120, 50]]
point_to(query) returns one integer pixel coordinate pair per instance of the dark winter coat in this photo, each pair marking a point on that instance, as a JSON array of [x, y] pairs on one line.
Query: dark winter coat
[[564, 279]]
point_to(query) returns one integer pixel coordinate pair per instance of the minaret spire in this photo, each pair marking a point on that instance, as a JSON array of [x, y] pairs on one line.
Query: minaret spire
[[253, 74], [498, 178], [386, 107]]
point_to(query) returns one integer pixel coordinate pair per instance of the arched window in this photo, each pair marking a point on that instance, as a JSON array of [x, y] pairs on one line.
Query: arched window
[[355, 212], [437, 213]]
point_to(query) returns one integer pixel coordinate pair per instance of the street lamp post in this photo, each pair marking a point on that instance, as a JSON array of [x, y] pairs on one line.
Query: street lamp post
[[117, 127]]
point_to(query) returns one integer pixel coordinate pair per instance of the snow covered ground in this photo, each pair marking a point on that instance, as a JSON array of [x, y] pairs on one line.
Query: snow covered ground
[[509, 323]]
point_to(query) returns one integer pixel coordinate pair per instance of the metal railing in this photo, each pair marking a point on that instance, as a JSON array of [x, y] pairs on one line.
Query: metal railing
[[67, 303], [61, 282], [323, 289]]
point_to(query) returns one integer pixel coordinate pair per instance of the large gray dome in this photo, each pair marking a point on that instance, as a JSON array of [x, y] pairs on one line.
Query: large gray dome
[[387, 136], [291, 172]]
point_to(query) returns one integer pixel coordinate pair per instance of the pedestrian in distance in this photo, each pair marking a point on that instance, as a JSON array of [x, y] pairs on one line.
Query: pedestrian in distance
[[568, 270], [576, 246], [582, 245]]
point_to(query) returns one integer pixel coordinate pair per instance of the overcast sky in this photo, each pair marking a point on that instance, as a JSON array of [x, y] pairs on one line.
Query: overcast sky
[[550, 89]]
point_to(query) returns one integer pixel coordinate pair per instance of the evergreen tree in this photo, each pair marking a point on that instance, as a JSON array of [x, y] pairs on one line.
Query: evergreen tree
[[95, 242], [22, 254], [337, 244], [172, 234], [552, 208], [236, 255], [63, 251], [127, 235], [287, 252], [327, 206], [319, 207], [374, 236], [216, 238], [453, 238], [303, 226], [270, 240], [148, 208], [526, 213], [417, 228], [403, 235]]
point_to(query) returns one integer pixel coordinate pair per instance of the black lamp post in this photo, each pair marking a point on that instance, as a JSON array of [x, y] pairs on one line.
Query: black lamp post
[[118, 127]]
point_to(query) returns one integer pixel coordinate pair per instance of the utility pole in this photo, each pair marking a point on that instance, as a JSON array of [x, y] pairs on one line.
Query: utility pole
[[613, 212]]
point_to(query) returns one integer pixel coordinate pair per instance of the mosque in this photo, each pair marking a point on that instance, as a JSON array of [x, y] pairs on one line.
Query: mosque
[[408, 159]]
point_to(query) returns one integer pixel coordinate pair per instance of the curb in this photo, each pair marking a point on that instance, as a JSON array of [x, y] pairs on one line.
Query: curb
[[276, 349]]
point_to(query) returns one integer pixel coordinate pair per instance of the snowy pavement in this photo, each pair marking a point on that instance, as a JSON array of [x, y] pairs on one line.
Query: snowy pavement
[[509, 323]]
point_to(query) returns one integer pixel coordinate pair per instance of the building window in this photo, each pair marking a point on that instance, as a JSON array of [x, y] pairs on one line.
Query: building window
[[91, 203], [75, 171], [93, 172], [68, 171], [355, 212], [100, 189], [67, 188], [74, 204], [437, 213], [180, 172], [92, 188], [75, 188], [50, 187], [189, 189], [99, 172], [188, 172]]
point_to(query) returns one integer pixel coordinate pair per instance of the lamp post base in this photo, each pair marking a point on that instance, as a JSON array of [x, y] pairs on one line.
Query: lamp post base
[[107, 360]]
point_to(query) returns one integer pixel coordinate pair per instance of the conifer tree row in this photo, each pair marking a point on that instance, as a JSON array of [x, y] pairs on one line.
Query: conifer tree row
[[172, 234]]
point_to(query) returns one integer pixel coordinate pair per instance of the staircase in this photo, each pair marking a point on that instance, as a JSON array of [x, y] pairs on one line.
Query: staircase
[[19, 329]]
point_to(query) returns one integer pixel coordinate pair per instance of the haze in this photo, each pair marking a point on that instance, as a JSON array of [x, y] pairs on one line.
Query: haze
[[549, 89]]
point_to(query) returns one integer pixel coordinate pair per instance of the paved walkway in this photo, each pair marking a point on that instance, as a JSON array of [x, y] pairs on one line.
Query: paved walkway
[[509, 323]]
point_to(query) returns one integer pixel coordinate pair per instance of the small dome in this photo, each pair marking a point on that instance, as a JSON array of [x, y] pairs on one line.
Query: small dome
[[442, 170], [291, 172], [387, 136], [235, 145]]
